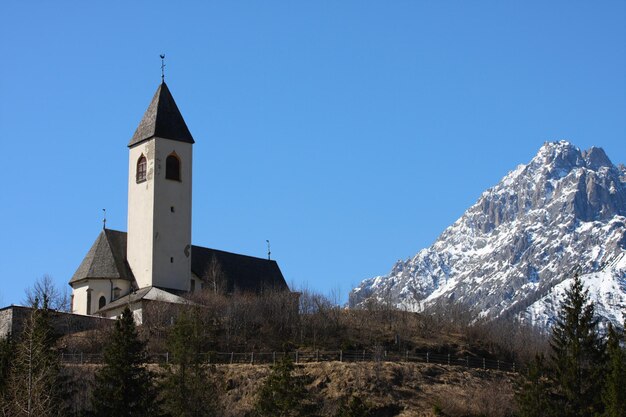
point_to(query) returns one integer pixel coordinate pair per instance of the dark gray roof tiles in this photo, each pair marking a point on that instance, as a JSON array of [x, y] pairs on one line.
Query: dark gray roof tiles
[[106, 259], [235, 273], [162, 119]]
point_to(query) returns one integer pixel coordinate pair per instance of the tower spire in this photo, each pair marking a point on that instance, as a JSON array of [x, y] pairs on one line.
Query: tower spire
[[162, 68], [162, 119]]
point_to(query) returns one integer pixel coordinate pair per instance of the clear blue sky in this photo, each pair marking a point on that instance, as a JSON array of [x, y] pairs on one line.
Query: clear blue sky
[[348, 133]]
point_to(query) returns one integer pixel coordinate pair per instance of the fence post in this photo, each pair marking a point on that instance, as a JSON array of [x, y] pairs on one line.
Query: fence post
[[484, 364], [296, 356], [252, 358], [273, 358], [231, 357], [448, 359], [363, 355], [427, 358], [513, 366], [317, 355], [341, 356], [167, 357], [498, 364], [406, 355]]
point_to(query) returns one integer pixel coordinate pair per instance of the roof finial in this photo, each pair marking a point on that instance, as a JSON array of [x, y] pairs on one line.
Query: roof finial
[[162, 68], [268, 250], [104, 219]]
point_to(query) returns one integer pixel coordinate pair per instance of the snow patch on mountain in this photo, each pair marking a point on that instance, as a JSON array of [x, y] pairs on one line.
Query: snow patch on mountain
[[515, 249], [607, 290]]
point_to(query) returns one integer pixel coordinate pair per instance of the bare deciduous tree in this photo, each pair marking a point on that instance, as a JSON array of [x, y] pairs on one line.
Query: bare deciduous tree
[[215, 277], [44, 287], [34, 379]]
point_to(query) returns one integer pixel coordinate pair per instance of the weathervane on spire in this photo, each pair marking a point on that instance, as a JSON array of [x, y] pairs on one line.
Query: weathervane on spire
[[268, 250], [162, 67], [104, 219]]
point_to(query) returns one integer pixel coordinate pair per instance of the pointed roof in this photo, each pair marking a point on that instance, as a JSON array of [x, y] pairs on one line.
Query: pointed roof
[[162, 119], [106, 259]]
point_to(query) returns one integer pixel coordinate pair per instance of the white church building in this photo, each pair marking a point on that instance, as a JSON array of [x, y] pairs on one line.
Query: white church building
[[155, 260]]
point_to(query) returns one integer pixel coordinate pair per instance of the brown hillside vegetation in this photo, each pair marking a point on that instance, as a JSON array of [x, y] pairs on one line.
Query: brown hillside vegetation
[[261, 326], [392, 389], [261, 356], [271, 322]]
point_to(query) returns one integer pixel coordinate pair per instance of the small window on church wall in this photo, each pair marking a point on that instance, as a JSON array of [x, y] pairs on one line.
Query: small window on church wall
[[142, 164], [101, 302], [172, 168]]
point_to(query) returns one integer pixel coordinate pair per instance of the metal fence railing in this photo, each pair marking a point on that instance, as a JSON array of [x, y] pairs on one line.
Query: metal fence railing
[[316, 356]]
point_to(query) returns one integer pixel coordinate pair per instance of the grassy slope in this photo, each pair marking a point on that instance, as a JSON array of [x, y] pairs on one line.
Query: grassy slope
[[402, 390]]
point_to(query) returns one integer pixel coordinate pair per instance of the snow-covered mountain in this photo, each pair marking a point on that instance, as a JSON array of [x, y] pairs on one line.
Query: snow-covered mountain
[[516, 250]]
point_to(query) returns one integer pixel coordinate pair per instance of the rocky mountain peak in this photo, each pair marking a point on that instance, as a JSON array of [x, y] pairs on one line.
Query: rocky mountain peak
[[622, 172], [555, 159], [564, 209], [596, 158]]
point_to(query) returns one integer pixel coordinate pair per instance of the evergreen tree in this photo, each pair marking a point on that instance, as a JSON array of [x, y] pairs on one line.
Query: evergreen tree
[[7, 352], [533, 397], [34, 379], [577, 355], [283, 394], [355, 408], [124, 387], [614, 393], [187, 389]]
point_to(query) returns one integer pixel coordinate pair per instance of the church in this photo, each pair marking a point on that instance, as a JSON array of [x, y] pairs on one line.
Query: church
[[154, 261]]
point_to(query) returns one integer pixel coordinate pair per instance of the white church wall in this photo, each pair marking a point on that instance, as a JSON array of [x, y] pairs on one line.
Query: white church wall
[[98, 288], [136, 308], [124, 287], [159, 216], [79, 298], [197, 285], [172, 218], [140, 209]]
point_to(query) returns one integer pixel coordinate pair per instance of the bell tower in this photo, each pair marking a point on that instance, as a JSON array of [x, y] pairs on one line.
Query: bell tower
[[159, 196]]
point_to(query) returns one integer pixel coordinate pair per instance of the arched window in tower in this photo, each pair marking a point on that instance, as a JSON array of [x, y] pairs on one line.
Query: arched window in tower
[[172, 167], [101, 302], [142, 165]]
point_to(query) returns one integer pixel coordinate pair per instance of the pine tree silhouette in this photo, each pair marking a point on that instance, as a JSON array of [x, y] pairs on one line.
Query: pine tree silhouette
[[188, 389], [533, 398], [124, 387], [614, 393], [577, 355], [283, 394], [356, 407]]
